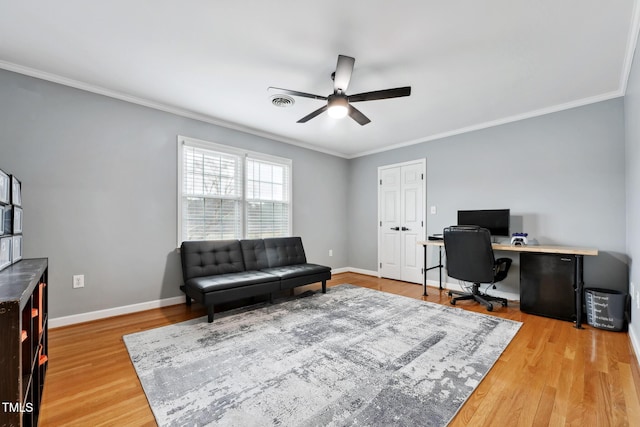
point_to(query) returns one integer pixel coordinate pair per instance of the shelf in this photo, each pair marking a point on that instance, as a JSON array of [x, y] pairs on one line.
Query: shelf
[[23, 354]]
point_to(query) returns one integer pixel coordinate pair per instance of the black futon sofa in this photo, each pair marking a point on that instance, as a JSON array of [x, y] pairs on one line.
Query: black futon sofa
[[220, 271]]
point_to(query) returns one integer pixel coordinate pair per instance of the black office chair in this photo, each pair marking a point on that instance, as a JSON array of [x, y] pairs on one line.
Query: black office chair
[[470, 258]]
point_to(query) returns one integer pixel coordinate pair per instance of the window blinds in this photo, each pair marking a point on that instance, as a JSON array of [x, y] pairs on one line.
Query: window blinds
[[267, 199], [233, 195], [211, 195]]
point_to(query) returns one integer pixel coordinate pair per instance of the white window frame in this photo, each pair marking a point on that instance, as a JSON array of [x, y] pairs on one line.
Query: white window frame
[[244, 154]]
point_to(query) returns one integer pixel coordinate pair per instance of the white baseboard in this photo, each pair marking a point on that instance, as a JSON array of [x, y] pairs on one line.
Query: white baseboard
[[433, 283], [133, 308], [357, 270], [635, 343], [494, 292], [110, 312]]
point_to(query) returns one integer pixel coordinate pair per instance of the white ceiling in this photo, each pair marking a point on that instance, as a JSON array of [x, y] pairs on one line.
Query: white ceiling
[[471, 64]]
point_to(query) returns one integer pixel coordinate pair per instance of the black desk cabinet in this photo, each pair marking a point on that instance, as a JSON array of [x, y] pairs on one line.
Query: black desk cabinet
[[547, 285], [23, 341]]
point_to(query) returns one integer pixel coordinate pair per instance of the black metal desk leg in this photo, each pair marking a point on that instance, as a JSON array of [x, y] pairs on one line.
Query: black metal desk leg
[[579, 289], [424, 270], [439, 267], [440, 264]]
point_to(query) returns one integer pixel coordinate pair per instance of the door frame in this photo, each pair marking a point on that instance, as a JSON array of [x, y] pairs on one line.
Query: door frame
[[422, 161]]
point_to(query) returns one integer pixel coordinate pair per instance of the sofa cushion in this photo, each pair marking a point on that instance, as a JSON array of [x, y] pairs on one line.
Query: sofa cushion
[[283, 251], [230, 280], [254, 254], [206, 258], [289, 271]]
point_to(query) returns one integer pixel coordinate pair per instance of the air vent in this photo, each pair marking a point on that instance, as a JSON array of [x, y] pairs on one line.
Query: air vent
[[282, 101]]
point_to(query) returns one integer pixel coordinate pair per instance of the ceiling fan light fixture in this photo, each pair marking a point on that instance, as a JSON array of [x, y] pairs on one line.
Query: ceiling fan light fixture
[[338, 107], [338, 103]]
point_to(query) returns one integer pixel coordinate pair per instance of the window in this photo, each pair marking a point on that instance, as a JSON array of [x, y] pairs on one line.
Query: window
[[267, 199], [226, 193]]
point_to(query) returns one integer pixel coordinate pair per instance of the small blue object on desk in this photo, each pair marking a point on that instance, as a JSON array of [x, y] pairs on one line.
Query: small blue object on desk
[[519, 239]]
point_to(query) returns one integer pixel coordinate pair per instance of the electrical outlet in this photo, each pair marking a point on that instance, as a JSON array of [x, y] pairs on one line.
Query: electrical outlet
[[433, 210], [330, 252], [78, 281]]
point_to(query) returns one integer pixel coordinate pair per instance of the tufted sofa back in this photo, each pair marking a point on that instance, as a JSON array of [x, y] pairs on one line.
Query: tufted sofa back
[[254, 254], [210, 257], [282, 251], [213, 257]]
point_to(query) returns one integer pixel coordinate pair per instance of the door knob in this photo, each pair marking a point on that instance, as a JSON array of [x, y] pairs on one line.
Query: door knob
[[395, 228], [405, 229]]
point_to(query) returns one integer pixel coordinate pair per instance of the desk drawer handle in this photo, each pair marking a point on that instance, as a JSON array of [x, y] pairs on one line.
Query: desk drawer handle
[[565, 259]]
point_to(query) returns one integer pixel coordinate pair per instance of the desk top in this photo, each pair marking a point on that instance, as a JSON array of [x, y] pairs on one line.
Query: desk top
[[528, 248]]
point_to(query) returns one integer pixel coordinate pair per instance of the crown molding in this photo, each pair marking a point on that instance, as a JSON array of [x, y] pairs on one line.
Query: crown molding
[[493, 123], [54, 78], [631, 45], [632, 42]]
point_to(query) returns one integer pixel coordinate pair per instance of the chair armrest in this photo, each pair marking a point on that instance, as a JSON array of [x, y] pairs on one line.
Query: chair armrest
[[502, 268]]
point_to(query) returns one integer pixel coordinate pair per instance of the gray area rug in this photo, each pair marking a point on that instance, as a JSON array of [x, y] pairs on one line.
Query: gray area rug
[[353, 356]]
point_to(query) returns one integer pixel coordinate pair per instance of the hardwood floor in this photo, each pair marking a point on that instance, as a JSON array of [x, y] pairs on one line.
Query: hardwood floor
[[551, 373]]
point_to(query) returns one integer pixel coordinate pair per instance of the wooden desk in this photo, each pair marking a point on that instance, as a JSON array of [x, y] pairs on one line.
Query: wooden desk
[[578, 253]]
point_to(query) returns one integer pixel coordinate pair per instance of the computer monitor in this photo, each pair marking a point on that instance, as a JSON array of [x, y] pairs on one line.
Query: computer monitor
[[495, 220]]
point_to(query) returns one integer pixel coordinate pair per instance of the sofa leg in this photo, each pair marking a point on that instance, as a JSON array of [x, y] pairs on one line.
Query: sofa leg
[[210, 313], [188, 299], [324, 286]]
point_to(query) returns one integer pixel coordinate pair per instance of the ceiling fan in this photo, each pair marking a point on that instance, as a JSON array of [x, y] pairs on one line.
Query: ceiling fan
[[339, 103]]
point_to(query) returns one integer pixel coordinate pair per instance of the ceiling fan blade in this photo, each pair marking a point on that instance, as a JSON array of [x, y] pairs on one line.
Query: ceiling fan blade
[[314, 114], [381, 94], [296, 93], [344, 69], [357, 115]]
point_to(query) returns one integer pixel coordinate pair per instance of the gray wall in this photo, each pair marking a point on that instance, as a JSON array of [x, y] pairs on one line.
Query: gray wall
[[632, 127], [562, 175], [99, 191], [99, 179]]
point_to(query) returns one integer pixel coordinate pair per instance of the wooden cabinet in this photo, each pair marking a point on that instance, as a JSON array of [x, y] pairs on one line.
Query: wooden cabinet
[[23, 341]]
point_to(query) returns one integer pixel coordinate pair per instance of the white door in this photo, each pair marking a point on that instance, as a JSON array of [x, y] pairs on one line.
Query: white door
[[390, 239], [402, 220]]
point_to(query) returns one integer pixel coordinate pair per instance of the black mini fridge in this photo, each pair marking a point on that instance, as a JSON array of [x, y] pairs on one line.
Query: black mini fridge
[[547, 285]]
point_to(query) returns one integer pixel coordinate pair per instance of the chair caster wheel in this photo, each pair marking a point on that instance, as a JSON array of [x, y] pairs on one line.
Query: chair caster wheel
[[490, 307], [504, 304], [453, 302], [450, 293]]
